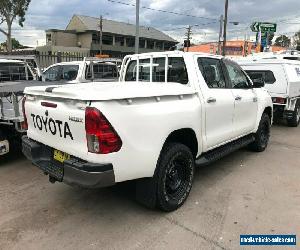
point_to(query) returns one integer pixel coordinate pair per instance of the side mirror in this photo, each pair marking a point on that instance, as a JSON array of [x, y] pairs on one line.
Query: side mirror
[[258, 83]]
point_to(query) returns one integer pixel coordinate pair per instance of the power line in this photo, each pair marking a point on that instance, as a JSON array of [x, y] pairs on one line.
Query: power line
[[193, 25], [163, 11]]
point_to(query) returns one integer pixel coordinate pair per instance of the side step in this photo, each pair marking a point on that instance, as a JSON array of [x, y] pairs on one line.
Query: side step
[[218, 153]]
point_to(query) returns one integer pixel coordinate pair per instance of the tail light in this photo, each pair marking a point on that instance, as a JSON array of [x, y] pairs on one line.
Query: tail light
[[101, 136], [24, 124], [278, 100]]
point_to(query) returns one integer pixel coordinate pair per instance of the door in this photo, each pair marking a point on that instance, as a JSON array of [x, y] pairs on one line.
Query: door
[[245, 99], [219, 102]]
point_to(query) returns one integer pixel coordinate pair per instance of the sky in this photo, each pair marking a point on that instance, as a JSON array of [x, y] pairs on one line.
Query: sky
[[55, 14]]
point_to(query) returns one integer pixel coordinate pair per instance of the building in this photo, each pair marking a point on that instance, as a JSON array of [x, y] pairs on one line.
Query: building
[[233, 48], [82, 34]]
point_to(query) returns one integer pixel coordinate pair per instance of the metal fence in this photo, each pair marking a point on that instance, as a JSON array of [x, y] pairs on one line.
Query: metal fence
[[45, 59]]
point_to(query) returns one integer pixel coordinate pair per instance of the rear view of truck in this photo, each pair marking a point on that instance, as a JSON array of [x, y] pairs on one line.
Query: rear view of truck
[[14, 76], [282, 80]]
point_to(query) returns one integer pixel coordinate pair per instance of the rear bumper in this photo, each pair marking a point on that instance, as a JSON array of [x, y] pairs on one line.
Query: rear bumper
[[73, 171]]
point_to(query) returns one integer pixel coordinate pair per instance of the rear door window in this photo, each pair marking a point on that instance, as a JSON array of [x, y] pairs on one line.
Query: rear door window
[[266, 75], [212, 72], [69, 72], [177, 71]]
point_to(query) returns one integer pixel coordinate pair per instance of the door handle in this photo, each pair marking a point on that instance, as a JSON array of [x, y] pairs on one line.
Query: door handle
[[211, 100], [238, 98]]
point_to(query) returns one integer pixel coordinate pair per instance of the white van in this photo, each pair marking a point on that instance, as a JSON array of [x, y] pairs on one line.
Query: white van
[[282, 80]]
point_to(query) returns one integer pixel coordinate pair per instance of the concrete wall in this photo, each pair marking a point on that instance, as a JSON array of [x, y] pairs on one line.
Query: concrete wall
[[85, 40], [60, 38]]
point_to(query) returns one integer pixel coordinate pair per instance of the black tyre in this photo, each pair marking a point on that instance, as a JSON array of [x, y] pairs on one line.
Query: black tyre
[[172, 181], [262, 135], [295, 120]]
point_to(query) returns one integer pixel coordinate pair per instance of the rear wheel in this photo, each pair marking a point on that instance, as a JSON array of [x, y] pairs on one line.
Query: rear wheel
[[295, 120], [172, 181], [262, 135]]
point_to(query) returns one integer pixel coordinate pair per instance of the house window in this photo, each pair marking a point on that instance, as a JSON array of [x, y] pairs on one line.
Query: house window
[[142, 43], [159, 45], [95, 38], [119, 41], [168, 46], [130, 41], [107, 39], [150, 44], [48, 38]]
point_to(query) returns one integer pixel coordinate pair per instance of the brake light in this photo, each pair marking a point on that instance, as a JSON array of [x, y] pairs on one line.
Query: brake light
[[101, 136], [24, 124], [278, 100]]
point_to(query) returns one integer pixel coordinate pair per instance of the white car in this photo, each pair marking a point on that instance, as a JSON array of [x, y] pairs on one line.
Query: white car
[[282, 78], [90, 69], [170, 112], [11, 71]]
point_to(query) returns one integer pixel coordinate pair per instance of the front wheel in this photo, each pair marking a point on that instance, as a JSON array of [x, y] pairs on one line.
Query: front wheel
[[262, 135], [172, 181]]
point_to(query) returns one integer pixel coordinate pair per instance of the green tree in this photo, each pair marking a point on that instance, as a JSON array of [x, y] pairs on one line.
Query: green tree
[[10, 10], [15, 44], [283, 41], [297, 40]]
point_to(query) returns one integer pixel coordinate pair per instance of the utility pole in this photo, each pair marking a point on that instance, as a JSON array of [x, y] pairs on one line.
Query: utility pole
[[225, 27], [188, 37], [137, 25], [100, 33], [220, 34]]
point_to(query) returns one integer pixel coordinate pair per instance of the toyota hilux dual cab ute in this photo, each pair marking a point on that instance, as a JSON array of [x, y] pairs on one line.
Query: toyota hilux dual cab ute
[[169, 112], [282, 80]]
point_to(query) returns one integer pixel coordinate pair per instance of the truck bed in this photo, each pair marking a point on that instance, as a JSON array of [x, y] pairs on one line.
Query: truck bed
[[11, 95], [18, 86]]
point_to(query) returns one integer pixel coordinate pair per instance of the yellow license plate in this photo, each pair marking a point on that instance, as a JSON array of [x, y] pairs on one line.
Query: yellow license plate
[[60, 156]]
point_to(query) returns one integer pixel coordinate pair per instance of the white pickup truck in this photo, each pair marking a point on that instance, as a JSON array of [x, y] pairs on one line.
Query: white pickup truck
[[282, 79], [89, 70], [170, 112]]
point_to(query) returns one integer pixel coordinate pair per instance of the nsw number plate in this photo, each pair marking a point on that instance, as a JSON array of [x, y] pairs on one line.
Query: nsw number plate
[[60, 156]]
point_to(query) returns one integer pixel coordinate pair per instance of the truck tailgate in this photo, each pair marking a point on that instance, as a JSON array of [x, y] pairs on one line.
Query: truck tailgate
[[58, 123]]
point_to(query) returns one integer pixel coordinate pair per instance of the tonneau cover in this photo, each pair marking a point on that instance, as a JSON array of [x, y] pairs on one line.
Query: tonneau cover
[[112, 90]]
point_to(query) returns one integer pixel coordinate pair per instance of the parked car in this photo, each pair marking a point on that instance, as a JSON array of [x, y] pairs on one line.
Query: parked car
[[12, 73], [90, 69], [282, 78], [170, 112]]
